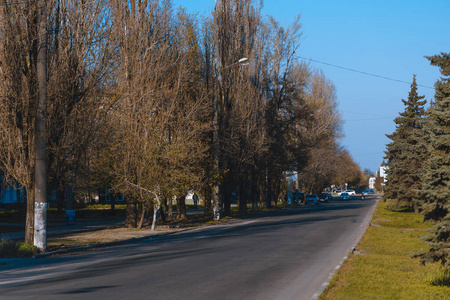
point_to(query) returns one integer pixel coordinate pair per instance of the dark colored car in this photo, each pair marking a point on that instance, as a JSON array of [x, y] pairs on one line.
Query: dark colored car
[[345, 196], [314, 199], [368, 192], [325, 197], [299, 197]]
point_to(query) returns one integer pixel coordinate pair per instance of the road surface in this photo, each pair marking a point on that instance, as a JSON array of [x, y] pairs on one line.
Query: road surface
[[286, 254]]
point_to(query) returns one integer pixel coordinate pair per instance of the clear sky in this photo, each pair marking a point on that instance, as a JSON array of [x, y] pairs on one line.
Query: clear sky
[[388, 38]]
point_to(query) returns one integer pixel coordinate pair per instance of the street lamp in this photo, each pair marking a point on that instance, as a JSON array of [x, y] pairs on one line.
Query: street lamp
[[217, 203], [243, 62]]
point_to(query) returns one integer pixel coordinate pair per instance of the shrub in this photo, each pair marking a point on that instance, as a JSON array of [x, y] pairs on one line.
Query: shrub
[[10, 249], [26, 250]]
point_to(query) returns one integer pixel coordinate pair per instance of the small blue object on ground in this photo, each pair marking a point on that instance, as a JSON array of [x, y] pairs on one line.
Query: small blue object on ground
[[71, 217]]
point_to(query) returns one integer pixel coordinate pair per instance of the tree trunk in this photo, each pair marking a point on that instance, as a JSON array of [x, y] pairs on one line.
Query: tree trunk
[[155, 216], [207, 198], [155, 211], [131, 213], [217, 203], [163, 211], [416, 207], [170, 209], [40, 165], [275, 192], [150, 208], [142, 212], [226, 194], [243, 198], [269, 192], [255, 197], [113, 204], [29, 223], [101, 196], [254, 191], [181, 208], [60, 199]]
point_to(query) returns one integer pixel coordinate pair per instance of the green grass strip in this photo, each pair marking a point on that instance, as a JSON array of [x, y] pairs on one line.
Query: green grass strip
[[382, 268]]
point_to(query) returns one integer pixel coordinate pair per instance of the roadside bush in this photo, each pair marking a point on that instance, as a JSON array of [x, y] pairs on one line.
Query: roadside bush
[[10, 249], [11, 216], [90, 212]]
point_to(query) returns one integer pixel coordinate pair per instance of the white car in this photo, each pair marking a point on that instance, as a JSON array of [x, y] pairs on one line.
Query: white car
[[350, 192]]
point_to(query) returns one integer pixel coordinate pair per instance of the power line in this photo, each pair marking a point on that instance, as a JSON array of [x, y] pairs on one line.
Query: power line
[[362, 72], [373, 119], [366, 114]]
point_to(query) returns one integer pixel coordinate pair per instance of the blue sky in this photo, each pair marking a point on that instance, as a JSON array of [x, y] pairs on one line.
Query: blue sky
[[386, 38]]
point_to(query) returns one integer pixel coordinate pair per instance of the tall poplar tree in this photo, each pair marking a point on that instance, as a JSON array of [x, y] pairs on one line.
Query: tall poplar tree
[[406, 152]]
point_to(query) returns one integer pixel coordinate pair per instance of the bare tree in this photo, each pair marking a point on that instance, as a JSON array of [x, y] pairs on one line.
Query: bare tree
[[158, 115], [283, 45], [317, 132], [348, 171], [80, 58], [18, 92], [75, 52]]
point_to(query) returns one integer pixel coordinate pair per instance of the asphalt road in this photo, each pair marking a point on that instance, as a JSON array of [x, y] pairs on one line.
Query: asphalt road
[[287, 254]]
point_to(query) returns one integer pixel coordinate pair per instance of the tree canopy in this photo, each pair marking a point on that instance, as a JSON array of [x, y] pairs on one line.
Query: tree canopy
[[151, 102]]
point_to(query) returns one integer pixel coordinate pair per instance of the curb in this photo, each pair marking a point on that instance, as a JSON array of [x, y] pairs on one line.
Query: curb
[[108, 244]]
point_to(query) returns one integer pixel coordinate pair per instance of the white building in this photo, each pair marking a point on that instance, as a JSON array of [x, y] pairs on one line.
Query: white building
[[372, 182], [383, 174]]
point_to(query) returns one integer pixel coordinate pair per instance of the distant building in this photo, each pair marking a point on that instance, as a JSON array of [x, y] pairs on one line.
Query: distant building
[[383, 173], [372, 182], [11, 195]]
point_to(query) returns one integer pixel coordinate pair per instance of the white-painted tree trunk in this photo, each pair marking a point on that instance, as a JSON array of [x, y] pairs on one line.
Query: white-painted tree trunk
[[40, 167]]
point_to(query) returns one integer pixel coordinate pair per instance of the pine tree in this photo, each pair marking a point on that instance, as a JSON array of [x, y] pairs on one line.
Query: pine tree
[[406, 152], [436, 179], [436, 188]]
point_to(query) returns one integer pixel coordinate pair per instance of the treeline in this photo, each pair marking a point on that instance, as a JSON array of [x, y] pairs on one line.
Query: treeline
[[419, 159], [152, 102]]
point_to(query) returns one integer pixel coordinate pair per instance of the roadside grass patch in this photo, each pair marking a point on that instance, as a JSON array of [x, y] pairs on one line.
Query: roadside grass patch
[[439, 277], [386, 270]]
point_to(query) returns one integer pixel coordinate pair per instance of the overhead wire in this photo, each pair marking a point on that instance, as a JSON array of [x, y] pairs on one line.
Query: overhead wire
[[373, 119], [362, 72]]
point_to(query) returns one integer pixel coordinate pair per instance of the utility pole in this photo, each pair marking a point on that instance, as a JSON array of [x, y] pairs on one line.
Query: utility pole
[[40, 167]]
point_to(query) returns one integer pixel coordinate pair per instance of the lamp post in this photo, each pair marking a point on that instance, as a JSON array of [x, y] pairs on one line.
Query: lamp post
[[217, 201]]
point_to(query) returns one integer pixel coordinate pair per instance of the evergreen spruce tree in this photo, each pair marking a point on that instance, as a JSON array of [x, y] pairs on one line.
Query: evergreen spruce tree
[[436, 187], [406, 152], [436, 179]]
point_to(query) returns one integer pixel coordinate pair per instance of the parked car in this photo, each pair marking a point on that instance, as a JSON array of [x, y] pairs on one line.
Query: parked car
[[325, 197], [368, 192], [299, 197], [345, 196], [350, 192], [312, 198]]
